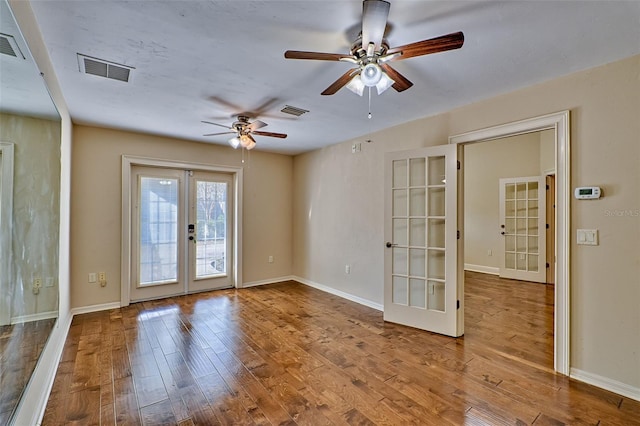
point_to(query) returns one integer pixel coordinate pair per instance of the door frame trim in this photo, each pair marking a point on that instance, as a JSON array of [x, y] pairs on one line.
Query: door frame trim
[[128, 161], [560, 123]]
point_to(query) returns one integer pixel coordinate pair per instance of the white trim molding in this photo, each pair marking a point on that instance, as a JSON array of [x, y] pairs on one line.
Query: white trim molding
[[34, 317], [491, 270], [95, 308], [267, 281], [606, 383], [559, 122], [331, 290]]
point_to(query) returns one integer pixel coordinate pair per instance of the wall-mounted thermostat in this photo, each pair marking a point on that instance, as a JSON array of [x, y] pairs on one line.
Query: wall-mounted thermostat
[[588, 193]]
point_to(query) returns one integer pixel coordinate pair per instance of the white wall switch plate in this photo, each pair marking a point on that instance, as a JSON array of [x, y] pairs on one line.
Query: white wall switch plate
[[587, 237]]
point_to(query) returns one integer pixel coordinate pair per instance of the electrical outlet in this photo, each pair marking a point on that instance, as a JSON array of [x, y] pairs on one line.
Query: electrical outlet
[[49, 282], [270, 259], [102, 279], [37, 285], [93, 277], [489, 252], [347, 269]]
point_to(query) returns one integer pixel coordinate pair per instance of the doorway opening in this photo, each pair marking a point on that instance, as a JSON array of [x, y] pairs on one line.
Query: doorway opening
[[558, 123], [505, 243]]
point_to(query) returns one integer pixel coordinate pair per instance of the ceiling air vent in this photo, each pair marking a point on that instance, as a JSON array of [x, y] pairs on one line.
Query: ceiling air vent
[[288, 109], [8, 46], [102, 68]]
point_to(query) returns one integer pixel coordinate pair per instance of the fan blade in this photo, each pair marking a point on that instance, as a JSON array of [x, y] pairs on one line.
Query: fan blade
[[374, 22], [256, 125], [426, 47], [216, 134], [216, 124], [270, 134], [296, 54], [401, 83], [341, 82]]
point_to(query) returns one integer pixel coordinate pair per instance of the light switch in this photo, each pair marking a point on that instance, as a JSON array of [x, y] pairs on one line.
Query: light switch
[[588, 237]]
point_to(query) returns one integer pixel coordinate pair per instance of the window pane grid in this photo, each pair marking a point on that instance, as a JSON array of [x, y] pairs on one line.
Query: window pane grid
[[521, 226], [418, 214]]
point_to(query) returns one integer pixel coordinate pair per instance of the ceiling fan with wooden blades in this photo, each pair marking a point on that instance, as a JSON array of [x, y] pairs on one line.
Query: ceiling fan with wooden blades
[[371, 54], [243, 129]]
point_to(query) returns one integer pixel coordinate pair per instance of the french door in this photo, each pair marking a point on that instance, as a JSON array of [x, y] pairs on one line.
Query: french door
[[421, 272], [181, 232], [523, 227]]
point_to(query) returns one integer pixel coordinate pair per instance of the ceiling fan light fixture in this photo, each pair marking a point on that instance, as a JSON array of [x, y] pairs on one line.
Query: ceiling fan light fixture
[[234, 142], [371, 74], [246, 141], [356, 85], [384, 83]]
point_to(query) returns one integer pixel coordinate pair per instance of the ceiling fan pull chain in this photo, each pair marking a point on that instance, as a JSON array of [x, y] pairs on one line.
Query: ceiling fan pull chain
[[369, 104]]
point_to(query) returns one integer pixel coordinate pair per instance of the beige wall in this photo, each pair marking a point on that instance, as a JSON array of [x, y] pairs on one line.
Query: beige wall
[[338, 206], [36, 207], [485, 163], [96, 206]]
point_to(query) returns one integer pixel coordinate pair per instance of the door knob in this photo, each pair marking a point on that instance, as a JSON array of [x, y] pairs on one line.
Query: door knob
[[389, 244]]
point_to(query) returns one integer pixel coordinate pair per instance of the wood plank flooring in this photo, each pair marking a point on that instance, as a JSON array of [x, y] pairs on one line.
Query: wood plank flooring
[[20, 348], [288, 354]]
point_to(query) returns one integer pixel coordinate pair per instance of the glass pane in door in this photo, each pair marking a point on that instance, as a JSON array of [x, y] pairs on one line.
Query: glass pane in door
[[211, 238], [158, 231]]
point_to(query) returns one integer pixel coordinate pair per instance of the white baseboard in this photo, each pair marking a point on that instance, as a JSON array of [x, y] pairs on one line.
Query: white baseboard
[[267, 281], [95, 308], [30, 411], [339, 293], [483, 269], [34, 317], [606, 383]]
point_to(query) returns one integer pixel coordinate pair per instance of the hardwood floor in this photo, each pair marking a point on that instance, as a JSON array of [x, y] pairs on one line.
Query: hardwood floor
[[289, 354], [20, 348]]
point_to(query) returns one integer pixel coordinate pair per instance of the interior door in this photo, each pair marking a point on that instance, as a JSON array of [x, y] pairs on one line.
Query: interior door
[[210, 231], [523, 227], [421, 273]]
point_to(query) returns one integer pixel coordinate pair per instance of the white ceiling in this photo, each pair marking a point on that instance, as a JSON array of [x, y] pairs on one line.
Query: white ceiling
[[210, 60], [22, 89]]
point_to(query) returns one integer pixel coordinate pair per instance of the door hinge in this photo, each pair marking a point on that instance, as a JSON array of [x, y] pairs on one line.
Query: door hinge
[[457, 304], [457, 235], [547, 226], [458, 164], [547, 187], [547, 265]]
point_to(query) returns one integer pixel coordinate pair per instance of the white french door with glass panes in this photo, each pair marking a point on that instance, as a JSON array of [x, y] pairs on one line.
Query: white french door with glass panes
[[181, 232], [523, 227], [421, 272], [210, 219]]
